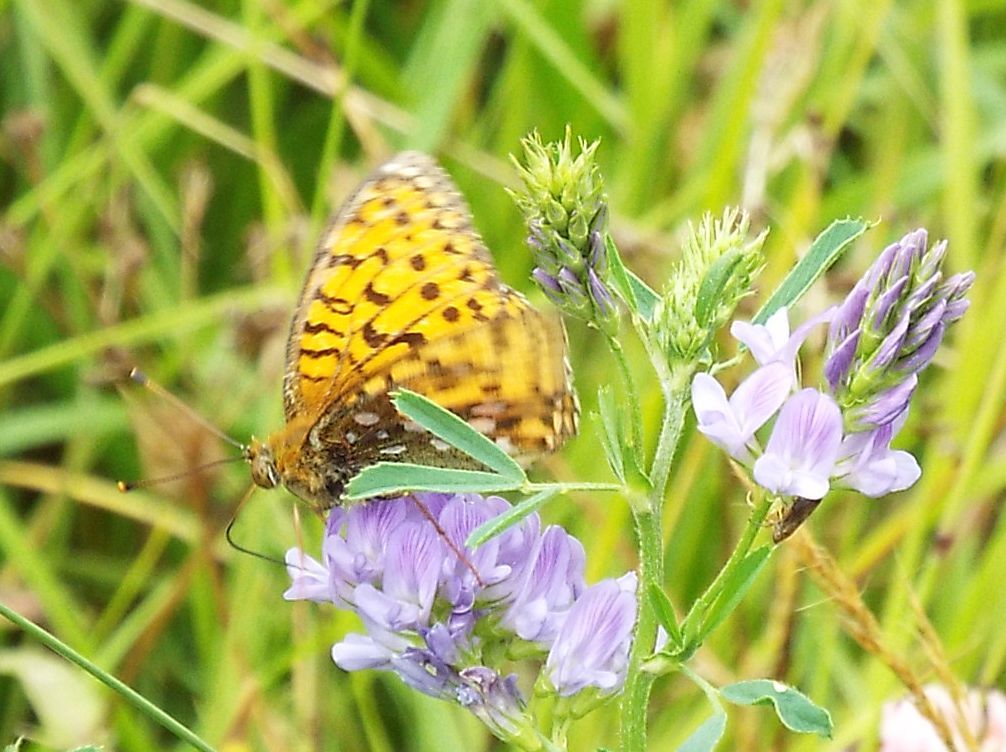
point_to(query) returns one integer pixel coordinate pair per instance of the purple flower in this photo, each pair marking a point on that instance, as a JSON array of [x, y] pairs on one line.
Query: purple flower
[[891, 325], [885, 331], [358, 556], [458, 518], [868, 464], [566, 212], [494, 700], [309, 578], [546, 588], [440, 615], [771, 342], [410, 580], [804, 445], [592, 648], [360, 651], [732, 423], [765, 341], [886, 407]]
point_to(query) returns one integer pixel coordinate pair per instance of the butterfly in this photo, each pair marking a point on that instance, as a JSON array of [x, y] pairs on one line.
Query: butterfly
[[402, 292]]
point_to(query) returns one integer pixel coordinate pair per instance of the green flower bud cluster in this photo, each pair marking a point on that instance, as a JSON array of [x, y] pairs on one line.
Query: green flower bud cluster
[[566, 209], [718, 266]]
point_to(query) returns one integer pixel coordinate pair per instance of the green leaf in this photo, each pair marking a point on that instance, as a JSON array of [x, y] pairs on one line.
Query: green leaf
[[491, 528], [710, 294], [387, 478], [612, 438], [795, 709], [665, 613], [447, 426], [646, 298], [734, 589], [638, 296], [826, 249], [706, 736]]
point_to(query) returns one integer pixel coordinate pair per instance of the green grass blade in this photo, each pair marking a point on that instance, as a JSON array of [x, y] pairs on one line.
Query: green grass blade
[[135, 699], [166, 323]]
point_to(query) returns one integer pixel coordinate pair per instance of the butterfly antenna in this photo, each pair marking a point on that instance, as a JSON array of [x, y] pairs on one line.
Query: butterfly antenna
[[450, 544], [143, 380], [229, 532], [127, 486]]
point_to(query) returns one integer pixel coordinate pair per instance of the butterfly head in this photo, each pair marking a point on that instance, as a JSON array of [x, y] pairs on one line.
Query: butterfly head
[[287, 457], [263, 464]]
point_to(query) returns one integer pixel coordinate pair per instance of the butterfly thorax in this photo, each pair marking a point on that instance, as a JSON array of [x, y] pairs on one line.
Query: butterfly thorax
[[288, 456]]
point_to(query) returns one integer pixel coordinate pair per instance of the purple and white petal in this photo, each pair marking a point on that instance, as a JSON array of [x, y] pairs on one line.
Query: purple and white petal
[[878, 319], [412, 570], [369, 524], [760, 395], [356, 652], [867, 463], [889, 406], [496, 701], [592, 648], [546, 587], [309, 578], [732, 423], [458, 519], [921, 357], [380, 610], [849, 315], [891, 345], [922, 328], [803, 447], [714, 415], [423, 671], [772, 340], [839, 362], [765, 341]]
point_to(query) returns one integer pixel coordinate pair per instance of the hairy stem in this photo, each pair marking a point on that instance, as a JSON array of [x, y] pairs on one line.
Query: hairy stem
[[638, 682]]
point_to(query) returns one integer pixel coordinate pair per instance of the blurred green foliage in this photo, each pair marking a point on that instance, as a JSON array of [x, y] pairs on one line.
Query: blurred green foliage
[[166, 167]]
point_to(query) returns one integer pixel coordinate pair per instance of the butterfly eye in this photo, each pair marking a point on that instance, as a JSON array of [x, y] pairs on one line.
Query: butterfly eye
[[263, 467]]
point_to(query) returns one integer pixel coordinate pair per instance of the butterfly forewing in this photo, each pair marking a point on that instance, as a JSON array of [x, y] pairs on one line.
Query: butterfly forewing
[[402, 293]]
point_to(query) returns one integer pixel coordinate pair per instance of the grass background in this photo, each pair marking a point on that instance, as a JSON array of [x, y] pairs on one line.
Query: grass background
[[165, 168]]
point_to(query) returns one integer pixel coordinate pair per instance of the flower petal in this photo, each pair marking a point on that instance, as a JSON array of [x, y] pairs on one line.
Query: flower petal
[[763, 340], [760, 395], [804, 445], [592, 647], [870, 466], [732, 423], [355, 652], [310, 578]]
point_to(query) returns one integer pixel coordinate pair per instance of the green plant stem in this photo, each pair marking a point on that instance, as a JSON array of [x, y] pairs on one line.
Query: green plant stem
[[638, 683], [130, 695], [674, 386], [560, 488], [636, 421], [636, 694]]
